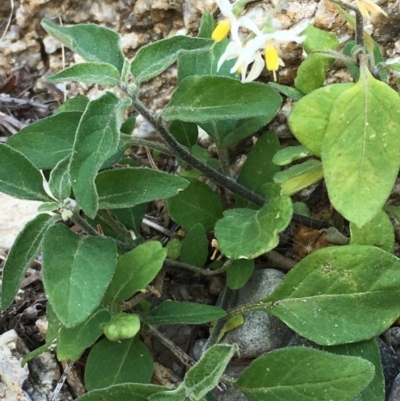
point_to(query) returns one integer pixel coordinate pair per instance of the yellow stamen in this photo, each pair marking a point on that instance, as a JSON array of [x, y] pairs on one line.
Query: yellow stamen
[[221, 30], [271, 58]]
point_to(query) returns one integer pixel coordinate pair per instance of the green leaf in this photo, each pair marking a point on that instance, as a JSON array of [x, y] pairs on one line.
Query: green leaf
[[110, 363], [60, 181], [129, 125], [311, 73], [304, 374], [185, 133], [317, 39], [91, 72], [309, 117], [207, 26], [377, 232], [134, 271], [122, 392], [290, 154], [198, 203], [96, 140], [73, 341], [205, 98], [239, 272], [171, 312], [76, 272], [339, 294], [246, 233], [24, 250], [299, 176], [194, 249], [129, 187], [77, 103], [46, 142], [156, 57], [90, 41], [258, 168], [360, 149], [19, 177], [131, 217], [205, 375], [368, 350], [178, 394], [288, 91]]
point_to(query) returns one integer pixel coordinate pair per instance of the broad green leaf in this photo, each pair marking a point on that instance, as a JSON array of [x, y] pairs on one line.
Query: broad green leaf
[[205, 98], [309, 117], [76, 272], [24, 250], [122, 392], [239, 272], [60, 182], [198, 203], [135, 270], [46, 142], [304, 374], [194, 249], [122, 188], [317, 39], [185, 133], [96, 140], [203, 155], [156, 57], [360, 149], [90, 41], [19, 177], [218, 129], [91, 72], [73, 341], [205, 375], [299, 176], [288, 91], [171, 312], [77, 103], [246, 233], [111, 362], [290, 154], [339, 294], [131, 217], [311, 73], [258, 168], [128, 125], [245, 128], [122, 327], [368, 350], [377, 232]]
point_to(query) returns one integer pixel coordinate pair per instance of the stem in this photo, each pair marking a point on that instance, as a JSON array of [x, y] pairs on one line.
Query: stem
[[118, 229], [222, 152], [150, 144], [187, 157], [252, 307], [81, 222], [205, 272]]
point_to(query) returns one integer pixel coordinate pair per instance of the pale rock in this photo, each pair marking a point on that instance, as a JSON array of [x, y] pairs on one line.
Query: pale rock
[[328, 17], [51, 45]]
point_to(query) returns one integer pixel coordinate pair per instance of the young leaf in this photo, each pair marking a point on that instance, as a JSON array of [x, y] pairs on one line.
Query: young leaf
[[156, 57], [194, 247], [134, 271], [368, 350], [122, 327], [60, 181], [311, 73], [377, 232], [24, 250], [339, 294], [309, 117], [73, 341], [239, 272], [304, 374], [246, 233], [96, 140], [205, 375], [122, 392], [207, 26], [76, 272], [90, 41], [198, 203], [110, 363], [360, 149], [258, 168], [129, 187], [288, 91], [290, 154], [19, 177], [46, 142], [91, 72], [171, 312], [317, 39], [205, 98]]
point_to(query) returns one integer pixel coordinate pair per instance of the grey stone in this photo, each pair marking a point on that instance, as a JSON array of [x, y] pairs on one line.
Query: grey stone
[[261, 332]]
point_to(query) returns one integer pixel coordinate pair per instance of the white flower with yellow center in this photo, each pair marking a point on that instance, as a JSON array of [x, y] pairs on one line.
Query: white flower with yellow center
[[250, 52], [231, 23]]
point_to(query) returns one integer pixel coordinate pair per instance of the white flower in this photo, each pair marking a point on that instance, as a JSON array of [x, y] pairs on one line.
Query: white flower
[[250, 52], [231, 23]]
